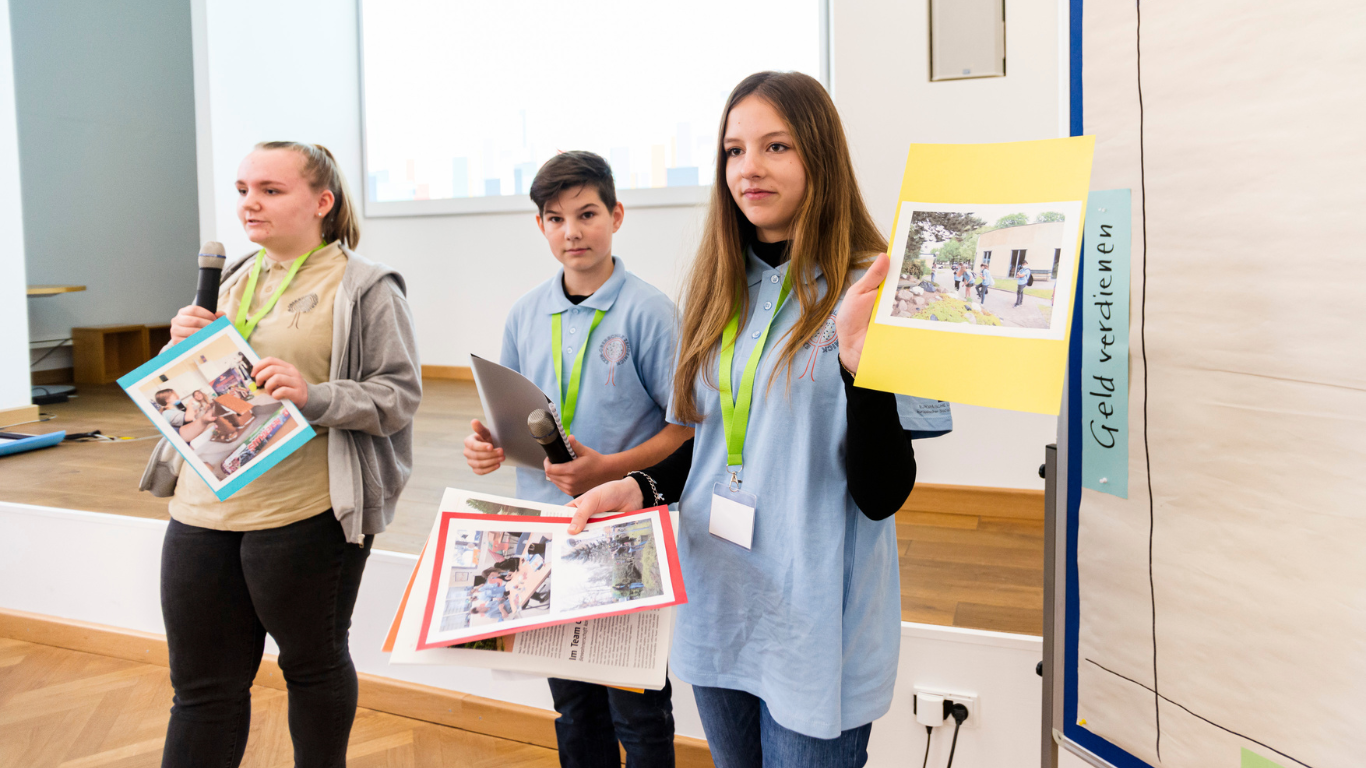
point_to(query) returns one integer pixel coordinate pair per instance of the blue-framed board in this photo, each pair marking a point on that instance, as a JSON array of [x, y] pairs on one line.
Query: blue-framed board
[[1071, 454], [1223, 609]]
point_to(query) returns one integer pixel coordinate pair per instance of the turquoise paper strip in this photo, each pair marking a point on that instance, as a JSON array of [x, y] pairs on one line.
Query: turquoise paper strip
[[1104, 300]]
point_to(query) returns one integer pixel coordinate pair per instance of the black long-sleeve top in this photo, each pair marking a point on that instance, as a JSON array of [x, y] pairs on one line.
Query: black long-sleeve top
[[879, 461]]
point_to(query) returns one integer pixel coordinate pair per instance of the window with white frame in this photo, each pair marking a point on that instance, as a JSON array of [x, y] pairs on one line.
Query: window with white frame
[[463, 101]]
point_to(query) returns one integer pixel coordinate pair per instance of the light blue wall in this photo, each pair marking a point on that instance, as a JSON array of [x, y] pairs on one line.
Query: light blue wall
[[104, 91]]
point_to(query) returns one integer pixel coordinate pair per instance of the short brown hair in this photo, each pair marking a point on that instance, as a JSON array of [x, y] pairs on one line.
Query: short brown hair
[[573, 169], [322, 172]]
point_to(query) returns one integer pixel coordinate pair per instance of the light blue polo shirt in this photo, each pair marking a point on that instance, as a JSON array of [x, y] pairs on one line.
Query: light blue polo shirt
[[809, 620], [627, 375]]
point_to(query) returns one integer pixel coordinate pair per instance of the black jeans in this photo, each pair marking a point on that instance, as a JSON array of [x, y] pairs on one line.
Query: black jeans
[[593, 717], [221, 592], [1019, 293]]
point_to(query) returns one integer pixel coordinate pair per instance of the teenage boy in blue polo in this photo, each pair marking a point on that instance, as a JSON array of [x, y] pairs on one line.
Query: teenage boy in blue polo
[[613, 336]]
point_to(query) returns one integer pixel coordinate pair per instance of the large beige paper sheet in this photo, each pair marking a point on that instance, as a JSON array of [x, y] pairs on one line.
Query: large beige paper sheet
[[1256, 386]]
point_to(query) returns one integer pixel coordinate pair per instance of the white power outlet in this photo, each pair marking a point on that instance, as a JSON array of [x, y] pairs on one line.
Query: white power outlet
[[968, 700]]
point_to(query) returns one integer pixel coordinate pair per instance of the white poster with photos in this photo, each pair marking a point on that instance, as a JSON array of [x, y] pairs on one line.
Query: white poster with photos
[[200, 395], [1003, 270], [500, 573], [630, 650]]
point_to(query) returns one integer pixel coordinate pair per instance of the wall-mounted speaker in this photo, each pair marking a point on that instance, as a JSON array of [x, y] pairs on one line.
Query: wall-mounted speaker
[[967, 39]]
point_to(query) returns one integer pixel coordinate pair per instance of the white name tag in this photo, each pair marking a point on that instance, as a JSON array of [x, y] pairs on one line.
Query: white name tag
[[732, 515]]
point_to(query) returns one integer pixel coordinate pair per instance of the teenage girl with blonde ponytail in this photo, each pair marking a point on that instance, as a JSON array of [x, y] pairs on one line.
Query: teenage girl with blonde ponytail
[[285, 554]]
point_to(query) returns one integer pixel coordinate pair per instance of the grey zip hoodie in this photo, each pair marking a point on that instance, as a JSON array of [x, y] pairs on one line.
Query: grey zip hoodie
[[367, 405]]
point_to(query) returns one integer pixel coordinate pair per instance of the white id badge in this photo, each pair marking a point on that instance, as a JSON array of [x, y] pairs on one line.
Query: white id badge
[[732, 515]]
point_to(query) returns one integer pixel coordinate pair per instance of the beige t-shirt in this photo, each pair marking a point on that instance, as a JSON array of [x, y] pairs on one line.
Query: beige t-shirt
[[297, 330]]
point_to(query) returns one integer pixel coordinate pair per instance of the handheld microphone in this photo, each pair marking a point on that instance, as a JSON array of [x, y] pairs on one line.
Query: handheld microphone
[[211, 260], [547, 433]]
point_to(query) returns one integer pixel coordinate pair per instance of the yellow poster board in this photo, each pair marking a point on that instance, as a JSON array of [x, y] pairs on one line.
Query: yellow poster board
[[952, 321]]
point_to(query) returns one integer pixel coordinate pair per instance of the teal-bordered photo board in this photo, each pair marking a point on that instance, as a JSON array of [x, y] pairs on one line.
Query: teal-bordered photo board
[[201, 396]]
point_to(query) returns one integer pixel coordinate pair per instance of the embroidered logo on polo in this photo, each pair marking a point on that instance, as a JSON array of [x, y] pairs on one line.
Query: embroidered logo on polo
[[615, 349], [823, 340], [301, 306]]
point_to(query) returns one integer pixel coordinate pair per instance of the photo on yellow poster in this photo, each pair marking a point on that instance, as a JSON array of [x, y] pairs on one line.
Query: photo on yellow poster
[[988, 270], [978, 303]]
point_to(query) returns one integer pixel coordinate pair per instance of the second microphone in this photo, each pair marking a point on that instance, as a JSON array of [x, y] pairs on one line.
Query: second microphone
[[547, 433]]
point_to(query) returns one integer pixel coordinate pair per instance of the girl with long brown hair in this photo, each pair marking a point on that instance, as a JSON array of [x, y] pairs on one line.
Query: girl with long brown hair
[[792, 629]]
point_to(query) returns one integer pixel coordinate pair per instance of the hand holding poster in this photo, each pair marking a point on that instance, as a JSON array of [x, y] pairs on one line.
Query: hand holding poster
[[977, 306], [200, 395]]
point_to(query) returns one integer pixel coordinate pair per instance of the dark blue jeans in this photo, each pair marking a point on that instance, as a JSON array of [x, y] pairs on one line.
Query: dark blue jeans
[[594, 717], [742, 734], [221, 592]]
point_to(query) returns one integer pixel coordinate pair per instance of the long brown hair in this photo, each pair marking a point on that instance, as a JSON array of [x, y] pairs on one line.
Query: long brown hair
[[322, 172], [832, 231]]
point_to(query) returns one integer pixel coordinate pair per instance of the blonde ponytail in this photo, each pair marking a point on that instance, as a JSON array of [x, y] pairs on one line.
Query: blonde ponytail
[[321, 169]]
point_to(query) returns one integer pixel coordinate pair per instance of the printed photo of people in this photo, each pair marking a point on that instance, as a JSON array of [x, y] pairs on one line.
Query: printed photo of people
[[495, 576], [991, 266], [615, 564], [211, 402]]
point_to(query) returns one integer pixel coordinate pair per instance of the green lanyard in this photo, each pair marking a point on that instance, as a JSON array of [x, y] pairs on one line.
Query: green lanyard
[[735, 411], [569, 402], [245, 325]]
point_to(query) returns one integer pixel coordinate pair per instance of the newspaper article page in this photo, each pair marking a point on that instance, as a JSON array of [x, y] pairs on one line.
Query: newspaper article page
[[620, 641]]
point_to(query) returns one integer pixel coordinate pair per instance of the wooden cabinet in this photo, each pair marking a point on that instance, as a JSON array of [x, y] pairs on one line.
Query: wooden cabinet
[[158, 336], [103, 353]]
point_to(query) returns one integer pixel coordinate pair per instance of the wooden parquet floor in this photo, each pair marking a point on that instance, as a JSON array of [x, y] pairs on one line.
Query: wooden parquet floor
[[971, 571], [66, 709], [958, 570]]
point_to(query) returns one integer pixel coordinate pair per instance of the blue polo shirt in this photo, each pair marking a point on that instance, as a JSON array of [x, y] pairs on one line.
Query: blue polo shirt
[[809, 619], [627, 375]]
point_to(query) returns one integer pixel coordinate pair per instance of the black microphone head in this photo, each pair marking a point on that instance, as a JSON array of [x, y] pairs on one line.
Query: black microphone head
[[212, 255], [542, 426]]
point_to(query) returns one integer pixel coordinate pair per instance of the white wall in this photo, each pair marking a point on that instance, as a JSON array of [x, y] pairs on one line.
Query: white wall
[[105, 103], [464, 272], [14, 377], [273, 71], [105, 569]]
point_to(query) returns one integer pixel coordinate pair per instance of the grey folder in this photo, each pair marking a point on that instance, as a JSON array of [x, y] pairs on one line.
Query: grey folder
[[508, 398]]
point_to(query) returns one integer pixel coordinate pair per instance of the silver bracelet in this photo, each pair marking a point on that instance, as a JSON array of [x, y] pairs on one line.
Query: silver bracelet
[[659, 499]]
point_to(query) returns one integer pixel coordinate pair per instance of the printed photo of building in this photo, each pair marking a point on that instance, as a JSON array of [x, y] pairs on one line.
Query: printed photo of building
[[1003, 250]]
